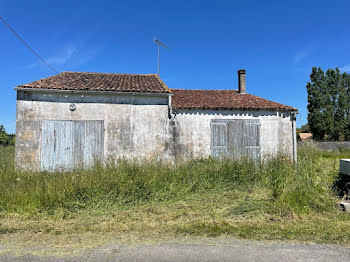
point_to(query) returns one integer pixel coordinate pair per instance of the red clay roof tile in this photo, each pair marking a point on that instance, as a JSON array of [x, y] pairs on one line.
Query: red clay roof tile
[[151, 83], [101, 82], [222, 99]]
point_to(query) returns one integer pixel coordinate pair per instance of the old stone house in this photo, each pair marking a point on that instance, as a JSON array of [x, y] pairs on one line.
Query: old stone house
[[72, 119]]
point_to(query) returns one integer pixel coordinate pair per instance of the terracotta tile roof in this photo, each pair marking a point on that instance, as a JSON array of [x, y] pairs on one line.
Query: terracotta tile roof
[[304, 136], [222, 99], [101, 82]]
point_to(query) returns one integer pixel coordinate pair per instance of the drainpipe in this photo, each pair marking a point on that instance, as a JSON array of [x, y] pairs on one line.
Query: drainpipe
[[170, 107], [294, 134]]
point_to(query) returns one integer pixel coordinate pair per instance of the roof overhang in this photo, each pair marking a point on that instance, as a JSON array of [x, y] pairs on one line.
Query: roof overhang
[[90, 92]]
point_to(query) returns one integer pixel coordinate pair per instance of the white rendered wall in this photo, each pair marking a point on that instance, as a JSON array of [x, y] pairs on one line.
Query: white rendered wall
[[194, 131], [135, 128], [138, 126]]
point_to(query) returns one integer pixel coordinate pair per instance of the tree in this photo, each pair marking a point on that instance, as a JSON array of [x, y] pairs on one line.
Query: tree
[[5, 140], [316, 99], [346, 84], [342, 110], [304, 129], [328, 104], [335, 103]]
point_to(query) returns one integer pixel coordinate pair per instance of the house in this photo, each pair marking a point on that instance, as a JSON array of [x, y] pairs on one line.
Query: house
[[305, 136], [72, 119]]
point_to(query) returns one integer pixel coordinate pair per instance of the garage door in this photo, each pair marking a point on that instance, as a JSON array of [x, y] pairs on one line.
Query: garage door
[[236, 138], [66, 145]]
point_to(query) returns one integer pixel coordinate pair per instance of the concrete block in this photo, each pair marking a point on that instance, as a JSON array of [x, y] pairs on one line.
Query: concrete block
[[345, 166]]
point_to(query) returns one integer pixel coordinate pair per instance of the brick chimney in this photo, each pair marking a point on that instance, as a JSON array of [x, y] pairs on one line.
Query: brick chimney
[[241, 81]]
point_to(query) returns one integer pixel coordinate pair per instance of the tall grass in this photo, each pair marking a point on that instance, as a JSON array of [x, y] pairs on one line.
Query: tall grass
[[304, 187], [301, 188]]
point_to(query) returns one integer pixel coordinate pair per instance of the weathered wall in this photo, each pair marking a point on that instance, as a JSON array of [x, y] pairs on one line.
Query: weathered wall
[[135, 126], [193, 131], [138, 126]]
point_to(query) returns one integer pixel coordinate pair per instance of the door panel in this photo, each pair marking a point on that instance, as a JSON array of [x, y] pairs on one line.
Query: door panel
[[242, 138], [235, 138], [252, 139], [71, 144], [93, 142], [218, 139]]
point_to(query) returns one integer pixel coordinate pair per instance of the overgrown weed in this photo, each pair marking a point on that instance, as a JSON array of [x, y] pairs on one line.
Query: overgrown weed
[[303, 187], [200, 197]]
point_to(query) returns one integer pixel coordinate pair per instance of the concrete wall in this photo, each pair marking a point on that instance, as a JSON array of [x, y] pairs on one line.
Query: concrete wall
[[327, 145], [135, 126], [193, 131], [138, 126]]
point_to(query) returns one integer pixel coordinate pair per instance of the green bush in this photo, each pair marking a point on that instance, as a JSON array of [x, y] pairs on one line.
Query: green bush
[[5, 139]]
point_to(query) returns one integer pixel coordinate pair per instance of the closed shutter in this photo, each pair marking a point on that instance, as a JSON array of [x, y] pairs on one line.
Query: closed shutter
[[66, 145], [241, 138], [251, 139], [218, 139], [236, 145]]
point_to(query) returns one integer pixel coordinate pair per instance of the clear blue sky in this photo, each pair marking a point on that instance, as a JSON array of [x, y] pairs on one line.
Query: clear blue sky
[[277, 42]]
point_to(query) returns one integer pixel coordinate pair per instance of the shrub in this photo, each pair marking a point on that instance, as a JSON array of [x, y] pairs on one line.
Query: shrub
[[5, 139]]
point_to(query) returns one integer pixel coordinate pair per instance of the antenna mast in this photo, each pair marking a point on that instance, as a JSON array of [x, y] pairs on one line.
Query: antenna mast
[[158, 45]]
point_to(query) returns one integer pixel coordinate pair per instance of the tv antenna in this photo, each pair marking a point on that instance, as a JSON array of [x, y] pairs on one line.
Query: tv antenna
[[156, 40]]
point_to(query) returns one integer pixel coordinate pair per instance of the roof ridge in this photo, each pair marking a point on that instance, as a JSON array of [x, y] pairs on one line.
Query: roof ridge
[[102, 73], [234, 90]]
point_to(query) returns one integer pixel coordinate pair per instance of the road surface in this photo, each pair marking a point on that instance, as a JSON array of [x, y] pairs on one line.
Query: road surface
[[205, 250]]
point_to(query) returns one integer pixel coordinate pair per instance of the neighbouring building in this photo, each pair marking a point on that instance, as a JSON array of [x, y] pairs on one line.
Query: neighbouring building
[[305, 136], [72, 119]]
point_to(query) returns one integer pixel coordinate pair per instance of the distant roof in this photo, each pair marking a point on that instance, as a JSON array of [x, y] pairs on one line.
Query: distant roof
[[222, 99], [150, 83], [304, 136]]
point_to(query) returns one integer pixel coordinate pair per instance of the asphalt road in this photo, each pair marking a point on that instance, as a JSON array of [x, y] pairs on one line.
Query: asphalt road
[[220, 250]]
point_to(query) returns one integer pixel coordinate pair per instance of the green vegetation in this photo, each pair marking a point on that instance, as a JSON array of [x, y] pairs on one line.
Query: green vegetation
[[206, 197], [293, 188], [328, 104], [6, 139]]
